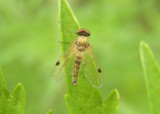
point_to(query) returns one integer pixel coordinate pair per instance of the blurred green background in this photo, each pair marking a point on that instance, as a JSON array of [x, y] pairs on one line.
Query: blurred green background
[[29, 35]]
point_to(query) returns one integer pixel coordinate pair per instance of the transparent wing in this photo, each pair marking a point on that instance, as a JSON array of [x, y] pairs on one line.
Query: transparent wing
[[58, 70], [91, 69]]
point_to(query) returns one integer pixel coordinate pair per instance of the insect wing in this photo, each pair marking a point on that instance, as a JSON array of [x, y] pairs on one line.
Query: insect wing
[[91, 69], [58, 70]]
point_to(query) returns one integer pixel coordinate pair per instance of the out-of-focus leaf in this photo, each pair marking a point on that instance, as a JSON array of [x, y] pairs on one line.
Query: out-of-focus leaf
[[152, 77]]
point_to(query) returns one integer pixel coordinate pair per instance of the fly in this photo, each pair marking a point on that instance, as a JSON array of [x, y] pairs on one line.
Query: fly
[[80, 55]]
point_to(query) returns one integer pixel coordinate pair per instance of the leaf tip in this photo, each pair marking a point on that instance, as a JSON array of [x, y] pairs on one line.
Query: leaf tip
[[112, 102], [50, 111], [116, 93], [19, 85], [143, 45]]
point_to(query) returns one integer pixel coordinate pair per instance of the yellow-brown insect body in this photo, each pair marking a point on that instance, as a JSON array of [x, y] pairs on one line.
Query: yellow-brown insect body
[[82, 52], [77, 63], [81, 45]]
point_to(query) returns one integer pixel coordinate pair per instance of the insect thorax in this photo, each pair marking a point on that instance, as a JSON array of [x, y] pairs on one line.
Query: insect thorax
[[82, 43]]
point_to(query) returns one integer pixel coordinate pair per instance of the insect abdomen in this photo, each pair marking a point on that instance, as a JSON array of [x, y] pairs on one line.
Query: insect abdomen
[[77, 64]]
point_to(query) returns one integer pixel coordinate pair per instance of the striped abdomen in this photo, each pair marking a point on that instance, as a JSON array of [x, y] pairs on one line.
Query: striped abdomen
[[77, 64]]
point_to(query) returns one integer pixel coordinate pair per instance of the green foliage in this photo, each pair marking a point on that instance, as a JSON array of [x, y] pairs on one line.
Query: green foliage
[[29, 46], [83, 98], [152, 77], [111, 104], [14, 103]]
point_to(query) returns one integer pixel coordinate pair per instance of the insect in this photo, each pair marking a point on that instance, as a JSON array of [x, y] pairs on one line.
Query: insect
[[79, 56]]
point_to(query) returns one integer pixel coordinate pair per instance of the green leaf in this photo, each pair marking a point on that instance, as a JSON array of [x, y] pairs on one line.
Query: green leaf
[[152, 77], [82, 98], [3, 87], [67, 23], [18, 98], [11, 104], [50, 112], [4, 95], [111, 104]]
